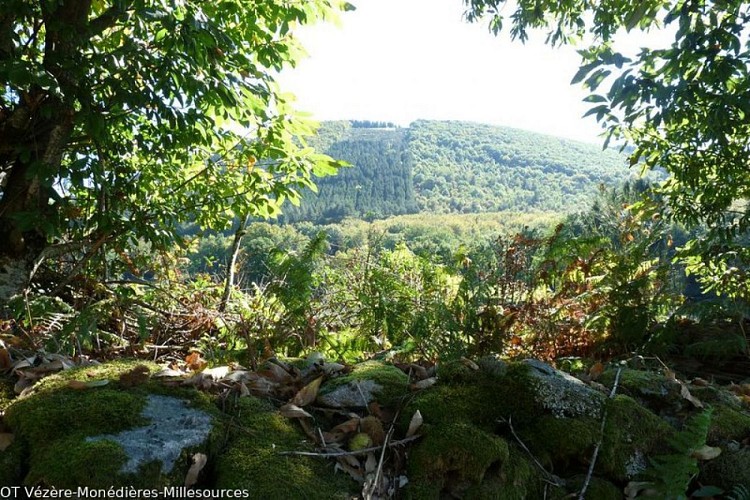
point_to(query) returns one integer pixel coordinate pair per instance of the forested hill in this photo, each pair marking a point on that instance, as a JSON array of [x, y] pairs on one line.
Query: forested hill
[[449, 166]]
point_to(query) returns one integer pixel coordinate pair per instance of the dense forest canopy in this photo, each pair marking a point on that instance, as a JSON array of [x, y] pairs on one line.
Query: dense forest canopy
[[453, 167], [684, 108], [120, 118]]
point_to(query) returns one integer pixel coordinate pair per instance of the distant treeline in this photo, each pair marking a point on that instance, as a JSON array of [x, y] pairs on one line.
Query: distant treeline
[[453, 167]]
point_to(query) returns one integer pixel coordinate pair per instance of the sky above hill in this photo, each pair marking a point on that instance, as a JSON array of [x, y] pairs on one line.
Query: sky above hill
[[402, 60]]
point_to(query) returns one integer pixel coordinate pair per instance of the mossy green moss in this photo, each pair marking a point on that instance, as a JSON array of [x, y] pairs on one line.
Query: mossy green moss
[[632, 433], [598, 489], [393, 382], [728, 424], [454, 457], [6, 391], [253, 461], [515, 479], [11, 464], [71, 462], [443, 404], [455, 372], [45, 417], [112, 370], [561, 441], [727, 470], [53, 422], [641, 384]]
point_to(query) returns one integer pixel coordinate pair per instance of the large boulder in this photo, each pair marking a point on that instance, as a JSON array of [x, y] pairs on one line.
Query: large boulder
[[91, 427], [551, 422]]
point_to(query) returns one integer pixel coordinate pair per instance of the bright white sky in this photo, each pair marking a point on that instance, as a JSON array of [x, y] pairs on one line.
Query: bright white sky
[[402, 60]]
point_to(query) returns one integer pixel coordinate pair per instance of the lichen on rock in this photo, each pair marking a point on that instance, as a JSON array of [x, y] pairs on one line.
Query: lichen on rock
[[54, 423], [172, 427], [368, 381], [561, 394]]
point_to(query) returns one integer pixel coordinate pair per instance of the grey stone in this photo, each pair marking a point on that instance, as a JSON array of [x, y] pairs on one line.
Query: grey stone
[[173, 427], [493, 365], [357, 394], [562, 394]]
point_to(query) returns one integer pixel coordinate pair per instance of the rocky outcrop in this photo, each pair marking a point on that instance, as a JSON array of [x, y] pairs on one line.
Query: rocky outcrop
[[490, 429]]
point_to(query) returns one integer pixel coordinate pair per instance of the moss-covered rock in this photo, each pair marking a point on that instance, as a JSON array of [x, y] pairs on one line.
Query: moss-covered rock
[[252, 461], [561, 441], [561, 394], [368, 381], [455, 371], [632, 434], [514, 479], [444, 404], [598, 488], [728, 470], [11, 464], [54, 427], [649, 388], [728, 424], [6, 392], [452, 458]]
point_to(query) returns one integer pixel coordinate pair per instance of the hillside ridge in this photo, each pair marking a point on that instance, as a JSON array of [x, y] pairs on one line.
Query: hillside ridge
[[453, 167]]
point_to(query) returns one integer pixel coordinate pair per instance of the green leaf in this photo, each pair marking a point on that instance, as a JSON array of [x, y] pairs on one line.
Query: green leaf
[[583, 71], [595, 98]]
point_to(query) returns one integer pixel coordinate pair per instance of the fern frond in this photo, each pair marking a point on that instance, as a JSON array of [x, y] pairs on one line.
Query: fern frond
[[673, 473]]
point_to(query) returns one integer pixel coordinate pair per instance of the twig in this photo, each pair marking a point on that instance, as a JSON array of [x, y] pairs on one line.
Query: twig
[[364, 451], [549, 477], [374, 484], [595, 455]]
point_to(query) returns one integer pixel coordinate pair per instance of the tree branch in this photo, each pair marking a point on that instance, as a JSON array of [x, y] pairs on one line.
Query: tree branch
[[109, 18]]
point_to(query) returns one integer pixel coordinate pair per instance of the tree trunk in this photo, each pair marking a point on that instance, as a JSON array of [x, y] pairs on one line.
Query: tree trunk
[[231, 266], [34, 133]]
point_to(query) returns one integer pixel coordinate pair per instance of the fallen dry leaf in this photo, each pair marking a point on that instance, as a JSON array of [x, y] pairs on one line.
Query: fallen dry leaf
[[424, 384], [5, 360], [371, 463], [97, 383], [740, 389], [685, 393], [5, 440], [199, 462], [307, 394], [275, 373], [24, 382], [634, 489], [415, 423], [706, 452], [345, 463], [347, 427], [217, 373], [293, 411], [244, 391], [373, 427], [169, 372], [416, 371], [261, 386], [80, 384], [469, 364], [195, 362]]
